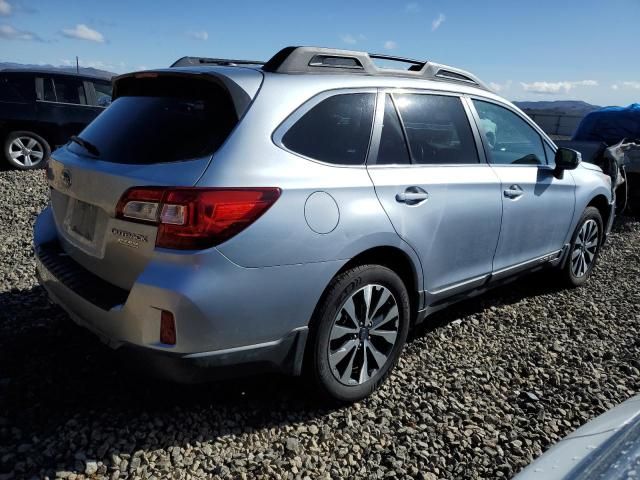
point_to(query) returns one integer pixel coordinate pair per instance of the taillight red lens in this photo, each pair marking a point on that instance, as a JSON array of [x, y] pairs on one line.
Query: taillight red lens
[[167, 328], [196, 218]]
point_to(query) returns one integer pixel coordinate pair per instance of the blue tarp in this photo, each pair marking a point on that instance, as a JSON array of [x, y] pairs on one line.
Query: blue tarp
[[610, 125]]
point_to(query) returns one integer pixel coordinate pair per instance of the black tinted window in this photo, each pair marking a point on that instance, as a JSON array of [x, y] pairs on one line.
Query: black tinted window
[[69, 90], [161, 120], [437, 128], [508, 138], [103, 93], [16, 88], [337, 130], [393, 147], [48, 93]]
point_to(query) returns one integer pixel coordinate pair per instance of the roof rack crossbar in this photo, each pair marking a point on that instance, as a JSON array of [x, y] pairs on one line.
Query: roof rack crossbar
[[191, 61], [381, 56], [329, 60]]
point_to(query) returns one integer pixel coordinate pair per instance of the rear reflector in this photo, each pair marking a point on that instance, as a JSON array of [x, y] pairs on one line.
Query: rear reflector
[[167, 328], [195, 218]]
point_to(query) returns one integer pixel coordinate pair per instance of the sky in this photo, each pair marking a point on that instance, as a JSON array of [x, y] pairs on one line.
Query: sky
[[543, 50]]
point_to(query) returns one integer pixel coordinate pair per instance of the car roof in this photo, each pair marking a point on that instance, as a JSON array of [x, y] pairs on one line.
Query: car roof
[[332, 80], [53, 71]]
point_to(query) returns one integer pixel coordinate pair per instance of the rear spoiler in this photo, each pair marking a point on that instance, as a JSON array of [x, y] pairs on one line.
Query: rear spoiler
[[199, 61], [242, 88]]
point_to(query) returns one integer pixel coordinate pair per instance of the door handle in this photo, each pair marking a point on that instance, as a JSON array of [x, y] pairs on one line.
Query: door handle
[[412, 196], [513, 192]]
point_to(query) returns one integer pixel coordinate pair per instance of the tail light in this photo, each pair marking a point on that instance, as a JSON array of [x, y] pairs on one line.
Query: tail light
[[195, 218], [167, 328]]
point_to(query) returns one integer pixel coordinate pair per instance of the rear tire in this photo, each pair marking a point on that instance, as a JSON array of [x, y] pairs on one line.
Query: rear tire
[[26, 150], [584, 249], [358, 333]]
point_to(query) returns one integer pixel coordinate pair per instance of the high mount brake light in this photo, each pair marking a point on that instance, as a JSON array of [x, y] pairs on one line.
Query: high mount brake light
[[195, 218]]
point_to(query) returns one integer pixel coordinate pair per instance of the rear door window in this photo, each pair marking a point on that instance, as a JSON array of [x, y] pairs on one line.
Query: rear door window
[[337, 130], [45, 89], [393, 146], [69, 90], [164, 119], [437, 128]]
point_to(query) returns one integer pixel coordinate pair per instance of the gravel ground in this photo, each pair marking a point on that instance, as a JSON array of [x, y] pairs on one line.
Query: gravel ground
[[479, 393]]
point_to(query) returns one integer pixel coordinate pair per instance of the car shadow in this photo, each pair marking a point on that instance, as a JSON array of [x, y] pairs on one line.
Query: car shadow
[[58, 382], [528, 286], [54, 376]]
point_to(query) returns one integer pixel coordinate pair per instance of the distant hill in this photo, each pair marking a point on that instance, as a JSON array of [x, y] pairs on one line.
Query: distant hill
[[565, 107], [84, 70]]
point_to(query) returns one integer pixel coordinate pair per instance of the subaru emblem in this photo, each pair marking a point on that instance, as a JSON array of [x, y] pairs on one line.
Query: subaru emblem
[[66, 178]]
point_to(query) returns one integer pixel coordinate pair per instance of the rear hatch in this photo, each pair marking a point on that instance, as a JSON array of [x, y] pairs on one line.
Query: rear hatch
[[163, 128]]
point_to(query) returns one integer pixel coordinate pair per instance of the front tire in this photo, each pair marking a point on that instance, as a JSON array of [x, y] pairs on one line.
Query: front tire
[[26, 150], [584, 249], [358, 332]]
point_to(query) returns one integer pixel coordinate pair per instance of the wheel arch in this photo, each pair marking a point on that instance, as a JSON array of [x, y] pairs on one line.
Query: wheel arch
[[397, 260], [602, 204]]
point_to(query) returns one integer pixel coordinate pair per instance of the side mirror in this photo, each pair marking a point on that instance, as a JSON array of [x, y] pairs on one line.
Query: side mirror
[[566, 159]]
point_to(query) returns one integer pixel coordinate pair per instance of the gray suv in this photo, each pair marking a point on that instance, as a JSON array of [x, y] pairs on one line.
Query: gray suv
[[225, 217]]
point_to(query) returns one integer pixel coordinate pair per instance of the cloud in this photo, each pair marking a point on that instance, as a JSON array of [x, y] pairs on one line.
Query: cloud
[[499, 87], [437, 22], [82, 32], [199, 34], [412, 7], [348, 39], [5, 8], [635, 85], [9, 32], [390, 45], [556, 87]]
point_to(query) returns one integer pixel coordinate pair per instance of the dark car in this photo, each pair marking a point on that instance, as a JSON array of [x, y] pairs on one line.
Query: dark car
[[40, 110], [610, 138]]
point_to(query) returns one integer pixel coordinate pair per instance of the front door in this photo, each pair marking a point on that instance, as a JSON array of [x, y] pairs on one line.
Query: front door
[[537, 206], [440, 196]]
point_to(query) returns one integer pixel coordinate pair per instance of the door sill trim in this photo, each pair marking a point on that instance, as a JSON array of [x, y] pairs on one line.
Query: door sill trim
[[527, 264]]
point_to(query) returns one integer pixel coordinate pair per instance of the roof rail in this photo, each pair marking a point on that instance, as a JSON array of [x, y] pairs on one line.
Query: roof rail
[[329, 60], [191, 61]]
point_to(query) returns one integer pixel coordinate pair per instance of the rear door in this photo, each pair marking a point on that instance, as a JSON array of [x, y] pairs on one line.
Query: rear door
[[537, 206], [63, 106], [17, 102], [160, 130], [439, 193]]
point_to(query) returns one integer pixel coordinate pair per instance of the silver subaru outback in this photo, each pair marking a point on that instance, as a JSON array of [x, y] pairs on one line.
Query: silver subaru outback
[[300, 216]]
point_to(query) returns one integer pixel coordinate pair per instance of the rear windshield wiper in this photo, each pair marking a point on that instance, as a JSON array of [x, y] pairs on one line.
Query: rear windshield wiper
[[86, 144]]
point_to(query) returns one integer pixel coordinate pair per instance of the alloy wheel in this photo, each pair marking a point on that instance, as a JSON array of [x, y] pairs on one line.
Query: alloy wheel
[[26, 151], [585, 248], [363, 335]]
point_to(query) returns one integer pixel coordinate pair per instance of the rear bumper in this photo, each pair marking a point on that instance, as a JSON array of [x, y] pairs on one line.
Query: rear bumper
[[230, 320], [281, 356]]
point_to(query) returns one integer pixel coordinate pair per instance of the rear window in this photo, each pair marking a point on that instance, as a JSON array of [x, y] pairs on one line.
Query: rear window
[[164, 119], [16, 88], [337, 130]]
